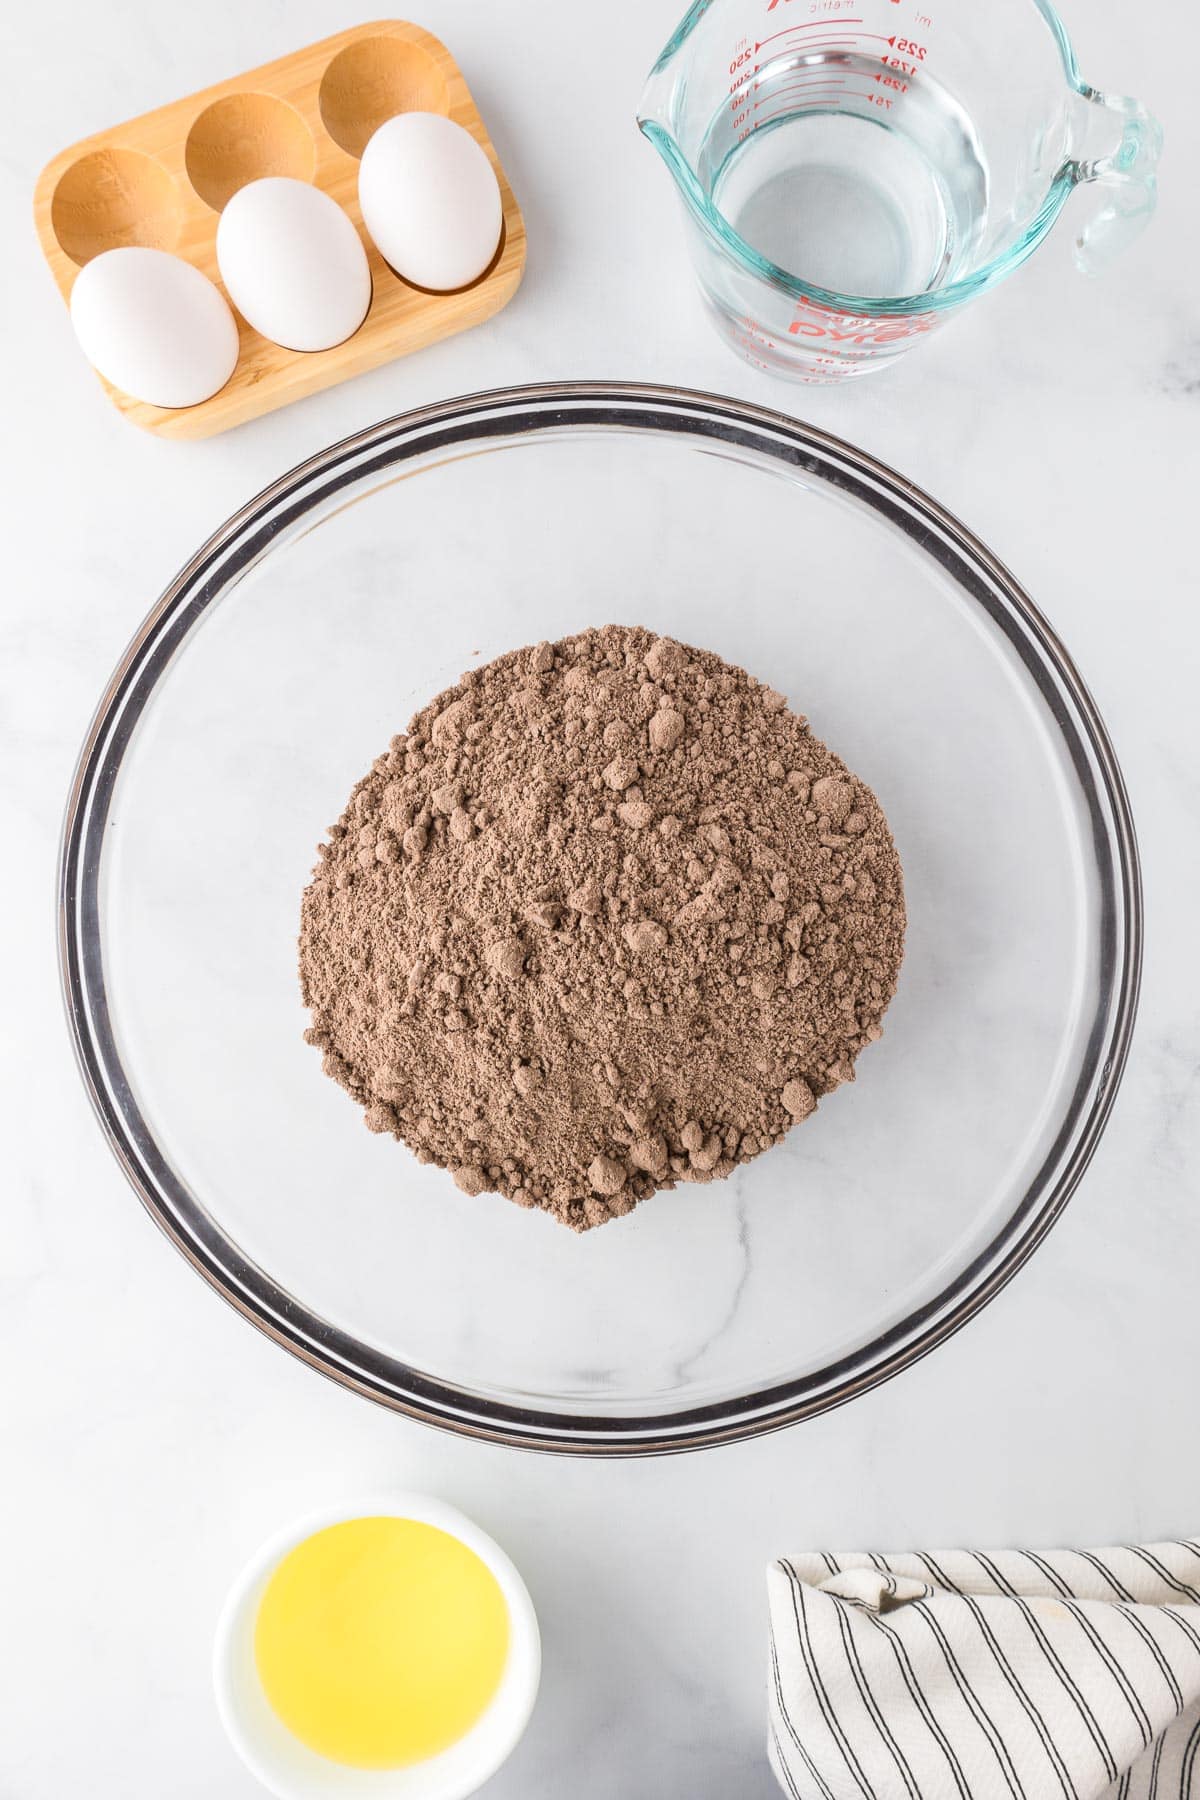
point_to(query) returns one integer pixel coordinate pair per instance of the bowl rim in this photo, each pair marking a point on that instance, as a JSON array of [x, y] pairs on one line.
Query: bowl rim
[[525, 1655], [571, 407]]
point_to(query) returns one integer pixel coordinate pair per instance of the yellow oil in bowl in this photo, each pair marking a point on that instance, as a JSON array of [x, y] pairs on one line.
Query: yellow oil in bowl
[[381, 1641]]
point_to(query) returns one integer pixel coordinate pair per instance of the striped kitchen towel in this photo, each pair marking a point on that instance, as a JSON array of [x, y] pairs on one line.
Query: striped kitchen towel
[[1069, 1675]]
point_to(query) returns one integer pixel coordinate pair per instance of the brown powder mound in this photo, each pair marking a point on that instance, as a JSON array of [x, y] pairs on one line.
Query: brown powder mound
[[607, 918]]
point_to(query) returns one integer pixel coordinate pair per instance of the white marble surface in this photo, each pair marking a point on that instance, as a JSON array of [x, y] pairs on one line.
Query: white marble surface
[[150, 1437]]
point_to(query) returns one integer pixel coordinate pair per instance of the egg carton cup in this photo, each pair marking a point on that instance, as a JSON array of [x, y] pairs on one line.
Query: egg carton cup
[[161, 180]]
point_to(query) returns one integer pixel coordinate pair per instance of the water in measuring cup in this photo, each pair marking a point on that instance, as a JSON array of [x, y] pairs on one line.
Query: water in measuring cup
[[858, 181]]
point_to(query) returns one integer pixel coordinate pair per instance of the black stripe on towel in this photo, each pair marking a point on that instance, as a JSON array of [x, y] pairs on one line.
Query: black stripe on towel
[[975, 1707], [826, 1791], [1141, 1717], [859, 1676], [1164, 1666], [1103, 1569], [814, 1675], [1024, 1699], [1055, 1580], [1158, 1750], [922, 1704], [1160, 1569], [1065, 1677], [993, 1574], [1189, 1763]]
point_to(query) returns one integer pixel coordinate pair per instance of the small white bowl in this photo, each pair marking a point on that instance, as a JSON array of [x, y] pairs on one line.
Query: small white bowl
[[288, 1768]]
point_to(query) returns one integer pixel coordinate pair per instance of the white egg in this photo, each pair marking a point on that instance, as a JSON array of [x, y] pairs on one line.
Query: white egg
[[154, 326], [293, 263], [430, 200]]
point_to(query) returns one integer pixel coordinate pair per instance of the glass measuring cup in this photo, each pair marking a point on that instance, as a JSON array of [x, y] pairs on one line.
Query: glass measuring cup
[[855, 171]]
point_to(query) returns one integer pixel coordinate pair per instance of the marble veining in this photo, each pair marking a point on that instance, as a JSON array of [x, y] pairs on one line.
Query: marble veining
[[151, 1439]]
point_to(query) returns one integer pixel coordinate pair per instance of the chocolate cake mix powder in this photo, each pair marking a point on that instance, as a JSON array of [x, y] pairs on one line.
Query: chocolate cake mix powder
[[607, 917]]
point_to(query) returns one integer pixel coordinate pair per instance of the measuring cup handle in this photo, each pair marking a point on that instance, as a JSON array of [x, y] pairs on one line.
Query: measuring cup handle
[[1127, 176]]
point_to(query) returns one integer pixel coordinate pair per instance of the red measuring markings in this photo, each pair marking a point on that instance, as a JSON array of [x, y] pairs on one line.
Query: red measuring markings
[[789, 112], [819, 44], [907, 49], [816, 320], [824, 71], [827, 91], [813, 25], [807, 87], [829, 43], [824, 99], [815, 68], [802, 69], [857, 37], [752, 339]]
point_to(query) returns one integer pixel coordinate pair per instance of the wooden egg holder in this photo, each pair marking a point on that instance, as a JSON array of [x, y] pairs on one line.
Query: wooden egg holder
[[161, 181]]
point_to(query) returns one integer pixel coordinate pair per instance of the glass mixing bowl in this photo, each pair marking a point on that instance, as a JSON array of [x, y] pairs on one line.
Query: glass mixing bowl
[[276, 667]]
